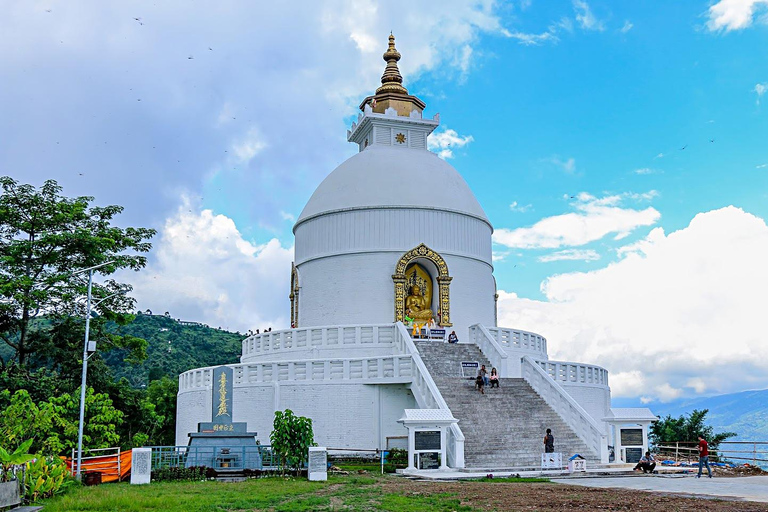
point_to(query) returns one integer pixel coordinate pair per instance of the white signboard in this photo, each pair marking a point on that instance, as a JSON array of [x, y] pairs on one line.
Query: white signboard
[[141, 466], [317, 466], [577, 465], [551, 461]]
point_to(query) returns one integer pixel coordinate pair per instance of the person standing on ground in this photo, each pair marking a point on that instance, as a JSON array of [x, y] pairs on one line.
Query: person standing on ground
[[549, 442], [647, 463], [703, 457]]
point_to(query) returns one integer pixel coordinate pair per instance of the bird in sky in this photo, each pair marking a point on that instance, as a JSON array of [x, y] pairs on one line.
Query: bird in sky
[[190, 57], [711, 140], [48, 10], [682, 148], [210, 48]]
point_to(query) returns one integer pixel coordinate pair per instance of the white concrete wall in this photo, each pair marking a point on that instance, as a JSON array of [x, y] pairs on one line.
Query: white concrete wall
[[596, 400], [358, 288], [344, 415]]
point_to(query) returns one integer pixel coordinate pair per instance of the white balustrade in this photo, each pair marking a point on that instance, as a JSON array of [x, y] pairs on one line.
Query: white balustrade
[[490, 347], [566, 407], [395, 369], [427, 394], [575, 373], [515, 339], [346, 336]]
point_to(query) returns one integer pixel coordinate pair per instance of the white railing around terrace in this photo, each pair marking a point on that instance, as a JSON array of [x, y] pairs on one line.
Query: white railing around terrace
[[566, 407], [495, 353], [396, 368], [515, 339], [427, 394], [318, 337], [575, 373]]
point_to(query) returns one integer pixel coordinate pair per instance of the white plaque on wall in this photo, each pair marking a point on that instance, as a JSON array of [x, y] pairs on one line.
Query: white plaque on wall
[[317, 465], [141, 465]]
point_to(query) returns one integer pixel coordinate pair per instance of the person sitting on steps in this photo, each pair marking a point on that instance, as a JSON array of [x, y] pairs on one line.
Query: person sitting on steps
[[647, 463], [494, 378], [479, 382]]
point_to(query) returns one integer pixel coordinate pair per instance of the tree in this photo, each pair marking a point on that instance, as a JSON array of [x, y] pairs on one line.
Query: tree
[[686, 428], [46, 237], [291, 438]]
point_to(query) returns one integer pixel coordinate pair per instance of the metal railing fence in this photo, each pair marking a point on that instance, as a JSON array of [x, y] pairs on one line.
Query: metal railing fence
[[753, 452]]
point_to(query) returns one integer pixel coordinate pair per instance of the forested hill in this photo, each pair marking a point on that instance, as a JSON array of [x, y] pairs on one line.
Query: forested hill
[[174, 347]]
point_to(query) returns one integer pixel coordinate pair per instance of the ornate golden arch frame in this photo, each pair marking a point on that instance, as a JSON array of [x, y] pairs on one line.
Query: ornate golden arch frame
[[294, 296], [443, 283]]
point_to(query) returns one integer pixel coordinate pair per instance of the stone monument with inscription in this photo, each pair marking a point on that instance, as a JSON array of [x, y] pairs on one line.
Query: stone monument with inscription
[[141, 466], [222, 443]]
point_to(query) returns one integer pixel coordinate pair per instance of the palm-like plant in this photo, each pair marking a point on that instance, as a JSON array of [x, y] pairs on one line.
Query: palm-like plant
[[8, 461]]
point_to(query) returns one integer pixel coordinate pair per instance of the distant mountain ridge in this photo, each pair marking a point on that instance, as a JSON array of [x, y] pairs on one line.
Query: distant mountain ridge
[[745, 412]]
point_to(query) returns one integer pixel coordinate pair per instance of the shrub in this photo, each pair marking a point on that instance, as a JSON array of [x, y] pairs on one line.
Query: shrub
[[45, 477], [398, 457], [180, 474], [291, 438]]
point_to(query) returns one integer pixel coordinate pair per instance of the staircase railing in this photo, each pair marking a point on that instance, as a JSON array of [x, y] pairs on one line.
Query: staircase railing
[[427, 394], [566, 407], [491, 348]]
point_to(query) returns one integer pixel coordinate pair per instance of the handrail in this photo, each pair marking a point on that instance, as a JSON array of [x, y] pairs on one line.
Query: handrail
[[516, 339], [428, 396], [570, 373], [566, 407], [491, 348], [319, 337], [392, 368]]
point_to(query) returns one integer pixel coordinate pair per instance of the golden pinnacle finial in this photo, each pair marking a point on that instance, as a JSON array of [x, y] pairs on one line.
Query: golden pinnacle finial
[[392, 94], [391, 80]]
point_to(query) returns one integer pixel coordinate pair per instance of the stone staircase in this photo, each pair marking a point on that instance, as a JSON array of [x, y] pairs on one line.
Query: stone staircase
[[504, 428]]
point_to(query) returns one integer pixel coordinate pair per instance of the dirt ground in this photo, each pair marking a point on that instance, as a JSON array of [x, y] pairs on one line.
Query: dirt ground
[[508, 496]]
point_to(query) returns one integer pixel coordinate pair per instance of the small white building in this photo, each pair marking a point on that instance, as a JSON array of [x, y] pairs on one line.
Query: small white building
[[395, 234]]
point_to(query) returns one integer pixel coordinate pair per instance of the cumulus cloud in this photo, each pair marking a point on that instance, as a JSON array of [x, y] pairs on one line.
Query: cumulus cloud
[[585, 18], [445, 141], [594, 219], [730, 15], [204, 270], [760, 89], [570, 254], [680, 307], [627, 27]]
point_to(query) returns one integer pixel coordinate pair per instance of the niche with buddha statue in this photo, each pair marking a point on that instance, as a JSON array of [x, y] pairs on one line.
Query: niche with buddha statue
[[414, 287]]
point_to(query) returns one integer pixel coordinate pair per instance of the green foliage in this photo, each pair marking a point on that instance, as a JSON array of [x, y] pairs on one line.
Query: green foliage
[[45, 477], [291, 438], [9, 460], [180, 474], [686, 428], [398, 457], [24, 419], [101, 420], [44, 238]]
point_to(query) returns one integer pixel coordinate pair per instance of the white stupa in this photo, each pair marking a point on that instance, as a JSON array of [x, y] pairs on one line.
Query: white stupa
[[391, 238]]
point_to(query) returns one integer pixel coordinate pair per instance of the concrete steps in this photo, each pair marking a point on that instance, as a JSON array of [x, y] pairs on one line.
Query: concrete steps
[[503, 428]]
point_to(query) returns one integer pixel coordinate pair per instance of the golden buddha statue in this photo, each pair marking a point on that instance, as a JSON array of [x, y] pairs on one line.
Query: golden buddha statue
[[416, 306]]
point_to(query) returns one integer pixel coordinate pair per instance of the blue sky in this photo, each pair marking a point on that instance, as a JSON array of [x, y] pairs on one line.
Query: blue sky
[[567, 118]]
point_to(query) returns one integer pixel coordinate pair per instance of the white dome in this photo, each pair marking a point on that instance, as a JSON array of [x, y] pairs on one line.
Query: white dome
[[392, 177]]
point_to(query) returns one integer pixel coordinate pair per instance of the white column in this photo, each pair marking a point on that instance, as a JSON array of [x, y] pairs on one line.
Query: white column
[[443, 450], [411, 448]]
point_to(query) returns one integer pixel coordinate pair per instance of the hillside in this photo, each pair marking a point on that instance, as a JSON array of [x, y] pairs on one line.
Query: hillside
[[174, 347], [745, 413]]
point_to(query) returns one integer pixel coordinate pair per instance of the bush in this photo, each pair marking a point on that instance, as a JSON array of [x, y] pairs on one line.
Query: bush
[[179, 474], [398, 457], [45, 477], [291, 438]]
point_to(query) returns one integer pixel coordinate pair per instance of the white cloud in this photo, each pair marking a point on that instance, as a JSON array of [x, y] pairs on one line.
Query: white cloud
[[249, 146], [528, 39], [570, 254], [677, 307], [445, 141], [761, 166], [568, 165], [585, 17], [660, 155], [733, 14], [287, 216], [644, 170], [202, 269], [519, 208], [594, 219], [627, 27], [760, 89]]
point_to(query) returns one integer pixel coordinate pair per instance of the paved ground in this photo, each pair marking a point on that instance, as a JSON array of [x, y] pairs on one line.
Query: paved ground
[[751, 488]]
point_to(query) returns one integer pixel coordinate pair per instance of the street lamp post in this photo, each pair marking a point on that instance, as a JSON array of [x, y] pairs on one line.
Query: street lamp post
[[85, 364]]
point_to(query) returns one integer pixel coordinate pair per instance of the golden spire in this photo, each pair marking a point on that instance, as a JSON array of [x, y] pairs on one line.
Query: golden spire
[[392, 94], [391, 80]]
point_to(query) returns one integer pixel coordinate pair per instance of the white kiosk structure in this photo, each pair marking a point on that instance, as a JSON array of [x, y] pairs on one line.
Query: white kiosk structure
[[393, 237]]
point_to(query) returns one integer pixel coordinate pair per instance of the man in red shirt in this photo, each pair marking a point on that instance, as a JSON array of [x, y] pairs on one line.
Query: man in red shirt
[[703, 457]]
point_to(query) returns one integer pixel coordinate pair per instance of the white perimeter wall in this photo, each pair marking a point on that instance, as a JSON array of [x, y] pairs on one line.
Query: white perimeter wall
[[343, 415]]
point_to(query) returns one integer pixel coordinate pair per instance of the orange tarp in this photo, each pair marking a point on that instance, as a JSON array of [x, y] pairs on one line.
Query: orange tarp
[[107, 465]]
